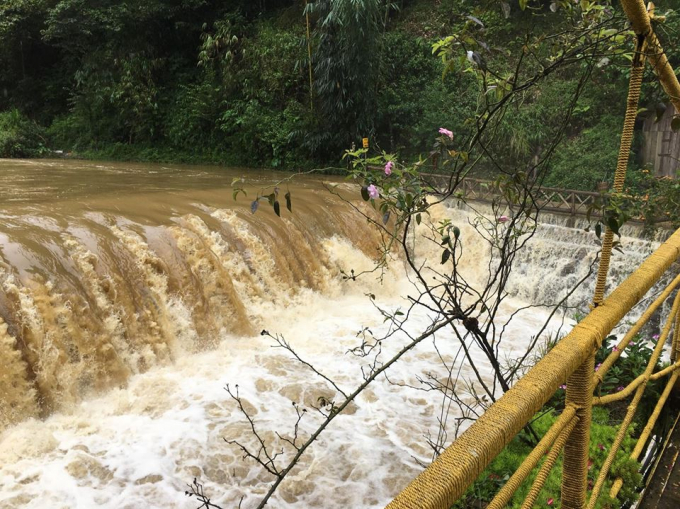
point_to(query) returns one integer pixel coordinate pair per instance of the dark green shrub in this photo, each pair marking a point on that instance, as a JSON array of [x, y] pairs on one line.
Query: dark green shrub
[[507, 462], [20, 137]]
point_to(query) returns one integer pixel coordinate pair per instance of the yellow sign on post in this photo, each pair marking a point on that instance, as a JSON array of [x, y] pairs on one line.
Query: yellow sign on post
[[365, 142]]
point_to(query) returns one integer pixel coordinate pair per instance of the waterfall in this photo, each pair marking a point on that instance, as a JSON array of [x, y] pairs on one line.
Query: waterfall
[[130, 294]]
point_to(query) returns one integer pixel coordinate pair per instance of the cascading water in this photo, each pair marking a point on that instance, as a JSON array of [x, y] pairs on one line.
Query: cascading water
[[130, 295], [559, 255]]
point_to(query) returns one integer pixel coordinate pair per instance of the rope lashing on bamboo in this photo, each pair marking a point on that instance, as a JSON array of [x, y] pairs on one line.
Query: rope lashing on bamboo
[[632, 332], [676, 339], [632, 408], [575, 466], [630, 388], [646, 433], [504, 495], [548, 465], [634, 86], [580, 385], [665, 371], [639, 17], [447, 478]]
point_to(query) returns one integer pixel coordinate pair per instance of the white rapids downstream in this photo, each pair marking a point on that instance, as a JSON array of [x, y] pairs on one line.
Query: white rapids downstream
[[131, 295]]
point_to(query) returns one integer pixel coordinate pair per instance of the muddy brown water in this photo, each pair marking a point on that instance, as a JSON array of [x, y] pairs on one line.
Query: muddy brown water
[[105, 268]]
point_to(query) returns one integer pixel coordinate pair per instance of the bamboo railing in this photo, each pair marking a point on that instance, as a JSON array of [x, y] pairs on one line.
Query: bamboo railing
[[447, 478], [571, 361]]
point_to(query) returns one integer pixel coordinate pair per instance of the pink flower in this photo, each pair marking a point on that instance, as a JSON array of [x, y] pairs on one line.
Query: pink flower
[[655, 336], [373, 191], [615, 349], [503, 219], [563, 387], [598, 366], [600, 446], [550, 501], [388, 168], [620, 388], [446, 132]]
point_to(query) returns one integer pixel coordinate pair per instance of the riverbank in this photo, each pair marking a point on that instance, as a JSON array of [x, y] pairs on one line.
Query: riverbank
[[121, 152]]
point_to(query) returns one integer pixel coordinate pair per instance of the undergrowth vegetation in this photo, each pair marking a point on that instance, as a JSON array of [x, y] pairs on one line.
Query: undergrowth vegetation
[[231, 84], [19, 136], [605, 426]]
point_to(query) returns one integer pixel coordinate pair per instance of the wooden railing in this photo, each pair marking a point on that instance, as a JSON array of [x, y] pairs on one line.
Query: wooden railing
[[550, 199]]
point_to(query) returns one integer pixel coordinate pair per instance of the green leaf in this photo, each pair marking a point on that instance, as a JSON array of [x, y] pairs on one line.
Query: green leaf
[[445, 256], [364, 193], [445, 240], [277, 208], [598, 230], [386, 217], [289, 204], [523, 4], [613, 224], [418, 218], [660, 109], [476, 20], [253, 206], [675, 123], [456, 232], [271, 198]]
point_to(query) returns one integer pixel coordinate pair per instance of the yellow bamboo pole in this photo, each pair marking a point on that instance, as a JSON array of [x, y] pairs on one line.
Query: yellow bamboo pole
[[581, 383], [575, 469], [618, 483], [612, 357], [676, 339], [630, 388], [556, 430], [641, 23], [446, 479], [548, 465], [632, 408]]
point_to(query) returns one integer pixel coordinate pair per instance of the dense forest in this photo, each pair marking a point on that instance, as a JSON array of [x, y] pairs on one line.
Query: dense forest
[[286, 83]]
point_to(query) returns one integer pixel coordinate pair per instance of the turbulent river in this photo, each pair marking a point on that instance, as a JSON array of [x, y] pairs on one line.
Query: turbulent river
[[131, 294]]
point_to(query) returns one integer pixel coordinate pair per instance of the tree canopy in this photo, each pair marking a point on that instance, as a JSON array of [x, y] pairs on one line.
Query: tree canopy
[[191, 80]]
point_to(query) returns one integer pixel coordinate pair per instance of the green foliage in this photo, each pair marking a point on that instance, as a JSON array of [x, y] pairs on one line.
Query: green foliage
[[413, 100], [232, 79], [628, 367], [603, 432], [347, 49], [193, 112], [588, 158], [656, 199], [20, 137]]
